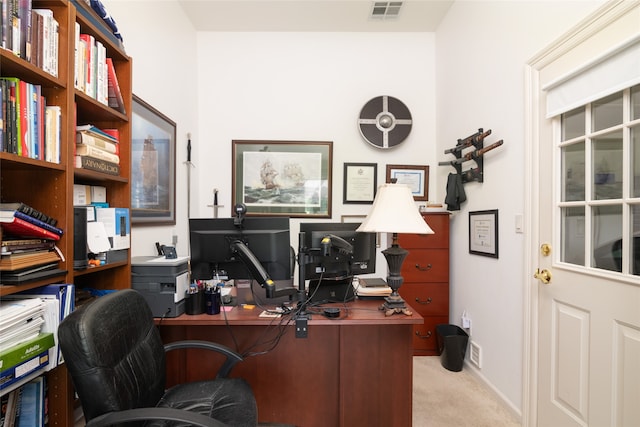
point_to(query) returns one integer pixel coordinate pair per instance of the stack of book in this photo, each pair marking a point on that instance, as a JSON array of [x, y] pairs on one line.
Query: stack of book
[[27, 250], [371, 288], [97, 149], [29, 347], [24, 346]]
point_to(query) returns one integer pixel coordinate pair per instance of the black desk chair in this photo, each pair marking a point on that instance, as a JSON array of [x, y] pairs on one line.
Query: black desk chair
[[116, 359]]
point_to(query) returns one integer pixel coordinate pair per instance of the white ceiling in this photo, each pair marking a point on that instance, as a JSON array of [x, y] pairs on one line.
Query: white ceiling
[[311, 15]]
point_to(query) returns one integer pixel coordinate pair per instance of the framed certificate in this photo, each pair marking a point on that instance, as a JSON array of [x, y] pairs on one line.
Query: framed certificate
[[483, 233], [360, 183], [416, 177]]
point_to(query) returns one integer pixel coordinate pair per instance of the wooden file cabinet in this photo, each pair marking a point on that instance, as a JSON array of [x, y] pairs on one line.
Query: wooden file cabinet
[[426, 280]]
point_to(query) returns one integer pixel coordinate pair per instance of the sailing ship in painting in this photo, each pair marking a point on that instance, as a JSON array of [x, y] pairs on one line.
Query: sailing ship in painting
[[281, 181]]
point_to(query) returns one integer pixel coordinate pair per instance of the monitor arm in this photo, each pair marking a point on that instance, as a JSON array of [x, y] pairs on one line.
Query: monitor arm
[[331, 241], [257, 270]]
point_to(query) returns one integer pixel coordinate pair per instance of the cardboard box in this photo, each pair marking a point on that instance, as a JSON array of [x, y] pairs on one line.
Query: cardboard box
[[117, 225], [81, 195], [98, 194]]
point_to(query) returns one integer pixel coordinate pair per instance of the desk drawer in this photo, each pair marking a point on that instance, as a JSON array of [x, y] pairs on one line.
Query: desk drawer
[[424, 336], [427, 299], [426, 265]]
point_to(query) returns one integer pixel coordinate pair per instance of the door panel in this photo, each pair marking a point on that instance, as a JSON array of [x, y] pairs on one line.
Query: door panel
[[586, 174]]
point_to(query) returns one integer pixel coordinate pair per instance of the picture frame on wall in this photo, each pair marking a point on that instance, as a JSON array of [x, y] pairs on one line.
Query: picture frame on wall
[[483, 233], [416, 177], [153, 166], [360, 183], [283, 178]]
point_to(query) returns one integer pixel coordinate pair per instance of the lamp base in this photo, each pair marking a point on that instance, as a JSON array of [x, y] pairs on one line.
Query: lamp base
[[394, 304]]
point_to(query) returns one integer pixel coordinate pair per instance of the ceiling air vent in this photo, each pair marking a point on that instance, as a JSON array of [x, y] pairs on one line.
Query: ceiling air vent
[[385, 9]]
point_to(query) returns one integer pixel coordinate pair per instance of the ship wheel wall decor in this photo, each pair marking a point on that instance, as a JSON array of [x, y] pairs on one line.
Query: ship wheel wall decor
[[385, 122]]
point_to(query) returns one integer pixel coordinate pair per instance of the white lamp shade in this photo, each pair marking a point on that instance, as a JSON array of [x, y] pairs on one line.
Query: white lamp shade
[[394, 211]]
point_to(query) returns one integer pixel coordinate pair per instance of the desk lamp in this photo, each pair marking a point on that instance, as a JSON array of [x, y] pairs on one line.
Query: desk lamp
[[394, 211]]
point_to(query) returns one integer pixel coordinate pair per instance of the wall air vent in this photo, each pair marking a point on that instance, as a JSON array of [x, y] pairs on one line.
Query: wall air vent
[[475, 355], [385, 9]]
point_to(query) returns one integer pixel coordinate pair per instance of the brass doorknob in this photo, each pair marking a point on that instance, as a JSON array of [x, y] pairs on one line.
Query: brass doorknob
[[544, 276]]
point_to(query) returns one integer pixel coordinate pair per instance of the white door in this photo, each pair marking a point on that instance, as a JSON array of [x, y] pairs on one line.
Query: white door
[[586, 168]]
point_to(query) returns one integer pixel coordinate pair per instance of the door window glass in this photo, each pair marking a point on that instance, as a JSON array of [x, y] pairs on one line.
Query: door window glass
[[607, 112], [573, 124], [606, 237], [573, 235], [607, 166], [573, 187], [635, 103], [599, 198]]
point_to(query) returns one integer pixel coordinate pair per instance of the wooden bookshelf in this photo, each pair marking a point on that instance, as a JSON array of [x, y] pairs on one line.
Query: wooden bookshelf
[[48, 187]]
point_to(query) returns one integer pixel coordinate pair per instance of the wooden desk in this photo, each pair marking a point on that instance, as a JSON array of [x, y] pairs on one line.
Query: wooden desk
[[355, 370]]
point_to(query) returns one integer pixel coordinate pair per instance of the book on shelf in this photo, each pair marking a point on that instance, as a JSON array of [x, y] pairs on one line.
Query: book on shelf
[[97, 132], [10, 402], [47, 42], [13, 246], [18, 227], [97, 153], [85, 138], [12, 356], [8, 214], [89, 163], [32, 409], [22, 371], [115, 99], [31, 274], [19, 261], [52, 132], [29, 210]]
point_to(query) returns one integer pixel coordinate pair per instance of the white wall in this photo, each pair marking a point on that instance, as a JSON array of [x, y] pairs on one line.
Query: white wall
[[311, 86], [482, 48], [162, 43]]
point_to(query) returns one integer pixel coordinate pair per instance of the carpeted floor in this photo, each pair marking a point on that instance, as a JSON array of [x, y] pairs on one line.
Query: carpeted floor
[[442, 398]]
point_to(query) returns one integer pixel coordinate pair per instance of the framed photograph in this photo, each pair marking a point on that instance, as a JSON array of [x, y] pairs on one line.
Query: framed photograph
[[153, 166], [283, 178], [483, 233], [416, 177], [360, 183]]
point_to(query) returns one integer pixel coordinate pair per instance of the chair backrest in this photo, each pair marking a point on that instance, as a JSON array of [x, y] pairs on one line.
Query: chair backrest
[[114, 354]]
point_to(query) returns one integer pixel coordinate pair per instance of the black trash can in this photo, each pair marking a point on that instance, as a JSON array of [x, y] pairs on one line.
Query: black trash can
[[452, 345]]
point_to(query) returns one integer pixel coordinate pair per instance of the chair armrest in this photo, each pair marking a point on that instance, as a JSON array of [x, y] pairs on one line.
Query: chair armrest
[[232, 357], [144, 414]]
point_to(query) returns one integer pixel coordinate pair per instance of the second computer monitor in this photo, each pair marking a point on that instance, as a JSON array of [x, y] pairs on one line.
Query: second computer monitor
[[364, 249]]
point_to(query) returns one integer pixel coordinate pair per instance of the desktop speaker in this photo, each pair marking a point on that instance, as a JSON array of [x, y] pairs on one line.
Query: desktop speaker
[[80, 258]]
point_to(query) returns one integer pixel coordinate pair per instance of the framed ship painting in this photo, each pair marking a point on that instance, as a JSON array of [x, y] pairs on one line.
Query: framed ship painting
[[153, 166], [283, 178]]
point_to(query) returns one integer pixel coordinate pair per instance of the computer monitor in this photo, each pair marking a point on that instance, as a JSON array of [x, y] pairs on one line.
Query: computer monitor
[[362, 260], [267, 238]]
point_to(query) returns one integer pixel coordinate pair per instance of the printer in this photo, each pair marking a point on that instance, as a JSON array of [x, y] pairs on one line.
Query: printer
[[163, 283]]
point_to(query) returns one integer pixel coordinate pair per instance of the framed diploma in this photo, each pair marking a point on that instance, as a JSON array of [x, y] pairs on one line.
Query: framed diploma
[[483, 233], [360, 183], [416, 177]]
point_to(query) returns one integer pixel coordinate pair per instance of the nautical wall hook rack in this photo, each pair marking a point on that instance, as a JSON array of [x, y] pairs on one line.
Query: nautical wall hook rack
[[475, 150]]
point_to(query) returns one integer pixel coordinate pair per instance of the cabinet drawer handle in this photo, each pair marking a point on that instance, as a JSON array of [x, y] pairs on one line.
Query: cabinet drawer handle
[[425, 336], [428, 267], [427, 301]]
